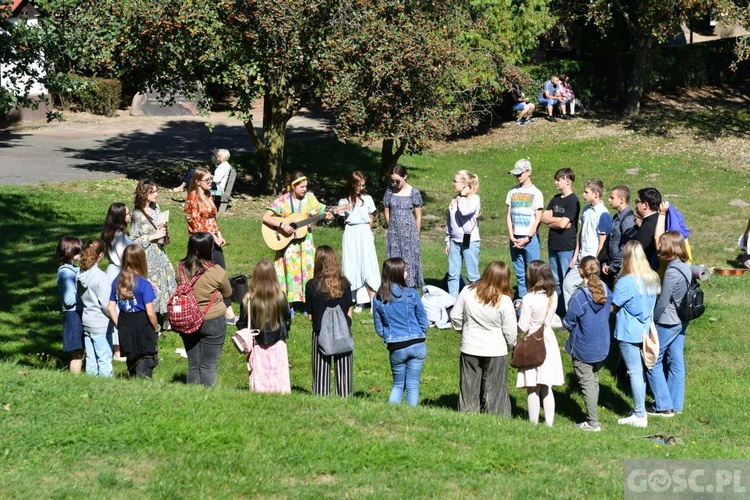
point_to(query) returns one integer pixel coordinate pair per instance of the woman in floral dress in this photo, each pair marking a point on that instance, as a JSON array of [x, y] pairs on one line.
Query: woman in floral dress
[[149, 233], [294, 264], [200, 215], [403, 216]]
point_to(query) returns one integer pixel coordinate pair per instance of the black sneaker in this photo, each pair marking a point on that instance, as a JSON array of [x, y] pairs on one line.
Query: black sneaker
[[551, 118], [563, 117], [659, 413]]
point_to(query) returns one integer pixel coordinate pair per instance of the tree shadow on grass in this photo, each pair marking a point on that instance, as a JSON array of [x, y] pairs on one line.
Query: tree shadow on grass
[[707, 113], [31, 228]]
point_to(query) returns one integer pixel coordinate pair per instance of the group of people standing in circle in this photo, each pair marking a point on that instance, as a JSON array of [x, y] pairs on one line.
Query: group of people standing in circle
[[117, 312], [607, 268]]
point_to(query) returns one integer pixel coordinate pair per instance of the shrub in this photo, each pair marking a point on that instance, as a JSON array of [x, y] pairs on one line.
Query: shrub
[[100, 96]]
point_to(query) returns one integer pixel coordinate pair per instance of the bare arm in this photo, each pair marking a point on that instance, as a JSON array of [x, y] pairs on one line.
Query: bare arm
[[509, 224], [270, 220], [113, 312], [537, 221], [661, 222], [152, 316], [387, 215], [554, 222], [418, 218]]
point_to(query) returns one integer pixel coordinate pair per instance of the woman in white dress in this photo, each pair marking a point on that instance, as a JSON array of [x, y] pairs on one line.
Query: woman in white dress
[[537, 309], [359, 258]]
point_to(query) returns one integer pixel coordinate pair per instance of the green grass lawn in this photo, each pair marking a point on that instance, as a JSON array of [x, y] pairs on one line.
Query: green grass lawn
[[67, 436]]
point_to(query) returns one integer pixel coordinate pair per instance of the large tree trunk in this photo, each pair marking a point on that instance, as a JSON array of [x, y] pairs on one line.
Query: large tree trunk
[[275, 117], [390, 154], [644, 47], [270, 145]]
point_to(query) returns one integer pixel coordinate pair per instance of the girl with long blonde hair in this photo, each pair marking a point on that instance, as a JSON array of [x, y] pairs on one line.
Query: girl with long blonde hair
[[633, 303], [667, 377], [462, 230], [268, 311]]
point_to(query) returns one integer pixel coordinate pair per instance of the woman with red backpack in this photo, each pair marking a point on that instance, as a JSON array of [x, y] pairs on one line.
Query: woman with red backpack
[[211, 288]]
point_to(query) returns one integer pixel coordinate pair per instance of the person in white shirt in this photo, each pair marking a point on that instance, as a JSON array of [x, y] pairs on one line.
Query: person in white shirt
[[485, 316], [595, 224]]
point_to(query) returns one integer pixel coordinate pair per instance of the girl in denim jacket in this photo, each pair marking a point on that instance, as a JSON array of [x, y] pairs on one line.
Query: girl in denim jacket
[[400, 319]]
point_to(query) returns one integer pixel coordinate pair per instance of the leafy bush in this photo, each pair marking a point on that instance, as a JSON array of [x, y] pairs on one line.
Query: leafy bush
[[100, 96]]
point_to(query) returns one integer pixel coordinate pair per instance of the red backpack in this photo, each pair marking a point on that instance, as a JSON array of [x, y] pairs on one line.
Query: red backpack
[[184, 314]]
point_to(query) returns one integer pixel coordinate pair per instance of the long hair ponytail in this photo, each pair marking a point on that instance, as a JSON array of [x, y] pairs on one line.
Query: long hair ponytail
[[589, 270]]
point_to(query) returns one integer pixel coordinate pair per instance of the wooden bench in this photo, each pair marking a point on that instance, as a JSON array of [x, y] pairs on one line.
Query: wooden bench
[[227, 194]]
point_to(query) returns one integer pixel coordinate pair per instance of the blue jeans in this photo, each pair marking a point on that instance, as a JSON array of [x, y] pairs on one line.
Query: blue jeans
[[559, 261], [631, 355], [98, 353], [406, 366], [667, 377], [521, 258], [456, 255]]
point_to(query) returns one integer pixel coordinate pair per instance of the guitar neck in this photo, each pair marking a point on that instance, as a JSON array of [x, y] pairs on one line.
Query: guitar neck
[[309, 220]]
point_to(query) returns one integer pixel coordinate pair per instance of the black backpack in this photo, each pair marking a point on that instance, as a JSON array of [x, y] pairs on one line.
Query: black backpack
[[692, 305]]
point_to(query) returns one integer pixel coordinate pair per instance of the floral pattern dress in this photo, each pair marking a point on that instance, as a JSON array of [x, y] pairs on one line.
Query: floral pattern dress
[[294, 264], [402, 239], [160, 270]]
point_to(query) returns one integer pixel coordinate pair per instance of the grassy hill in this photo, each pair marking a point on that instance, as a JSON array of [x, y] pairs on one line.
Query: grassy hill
[[70, 436]]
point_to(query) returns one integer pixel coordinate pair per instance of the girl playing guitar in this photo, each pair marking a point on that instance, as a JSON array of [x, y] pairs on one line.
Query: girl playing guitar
[[294, 263]]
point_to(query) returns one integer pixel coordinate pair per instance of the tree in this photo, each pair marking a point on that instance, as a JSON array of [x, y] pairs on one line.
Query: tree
[[407, 72], [20, 51], [390, 78], [648, 23], [254, 48]]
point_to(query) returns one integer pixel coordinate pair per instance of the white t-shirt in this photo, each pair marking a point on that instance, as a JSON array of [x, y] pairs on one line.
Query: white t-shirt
[[524, 203], [595, 220], [359, 214]]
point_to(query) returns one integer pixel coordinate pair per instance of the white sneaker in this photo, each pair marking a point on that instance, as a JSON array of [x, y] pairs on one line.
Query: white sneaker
[[634, 420], [181, 352], [585, 426], [358, 309]]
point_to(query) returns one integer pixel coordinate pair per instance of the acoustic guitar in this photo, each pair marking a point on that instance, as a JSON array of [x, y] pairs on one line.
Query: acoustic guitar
[[276, 240]]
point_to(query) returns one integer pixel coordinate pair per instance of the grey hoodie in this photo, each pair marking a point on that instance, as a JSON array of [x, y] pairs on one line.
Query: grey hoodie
[[94, 287]]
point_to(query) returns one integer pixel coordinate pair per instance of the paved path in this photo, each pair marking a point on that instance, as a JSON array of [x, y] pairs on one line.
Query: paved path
[[106, 148]]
